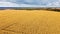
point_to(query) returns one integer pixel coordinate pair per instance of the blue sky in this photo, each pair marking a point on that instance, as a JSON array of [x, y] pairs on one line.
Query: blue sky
[[29, 3]]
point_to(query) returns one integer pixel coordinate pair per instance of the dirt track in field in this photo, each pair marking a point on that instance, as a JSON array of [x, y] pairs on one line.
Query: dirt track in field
[[29, 22]]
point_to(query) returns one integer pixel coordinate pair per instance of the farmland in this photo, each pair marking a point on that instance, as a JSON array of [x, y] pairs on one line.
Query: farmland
[[29, 22]]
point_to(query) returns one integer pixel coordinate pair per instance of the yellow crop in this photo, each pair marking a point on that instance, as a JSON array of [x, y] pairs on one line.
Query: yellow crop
[[29, 22]]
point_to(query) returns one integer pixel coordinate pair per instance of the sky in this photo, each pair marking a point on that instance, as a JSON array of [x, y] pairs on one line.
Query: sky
[[29, 3]]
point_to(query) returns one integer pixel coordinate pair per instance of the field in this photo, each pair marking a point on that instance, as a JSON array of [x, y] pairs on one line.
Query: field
[[29, 22]]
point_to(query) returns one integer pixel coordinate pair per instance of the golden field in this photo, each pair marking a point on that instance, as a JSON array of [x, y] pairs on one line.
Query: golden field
[[29, 22]]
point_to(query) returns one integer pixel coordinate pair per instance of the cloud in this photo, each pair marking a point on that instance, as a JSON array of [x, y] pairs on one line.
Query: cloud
[[30, 3], [54, 4], [8, 4]]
